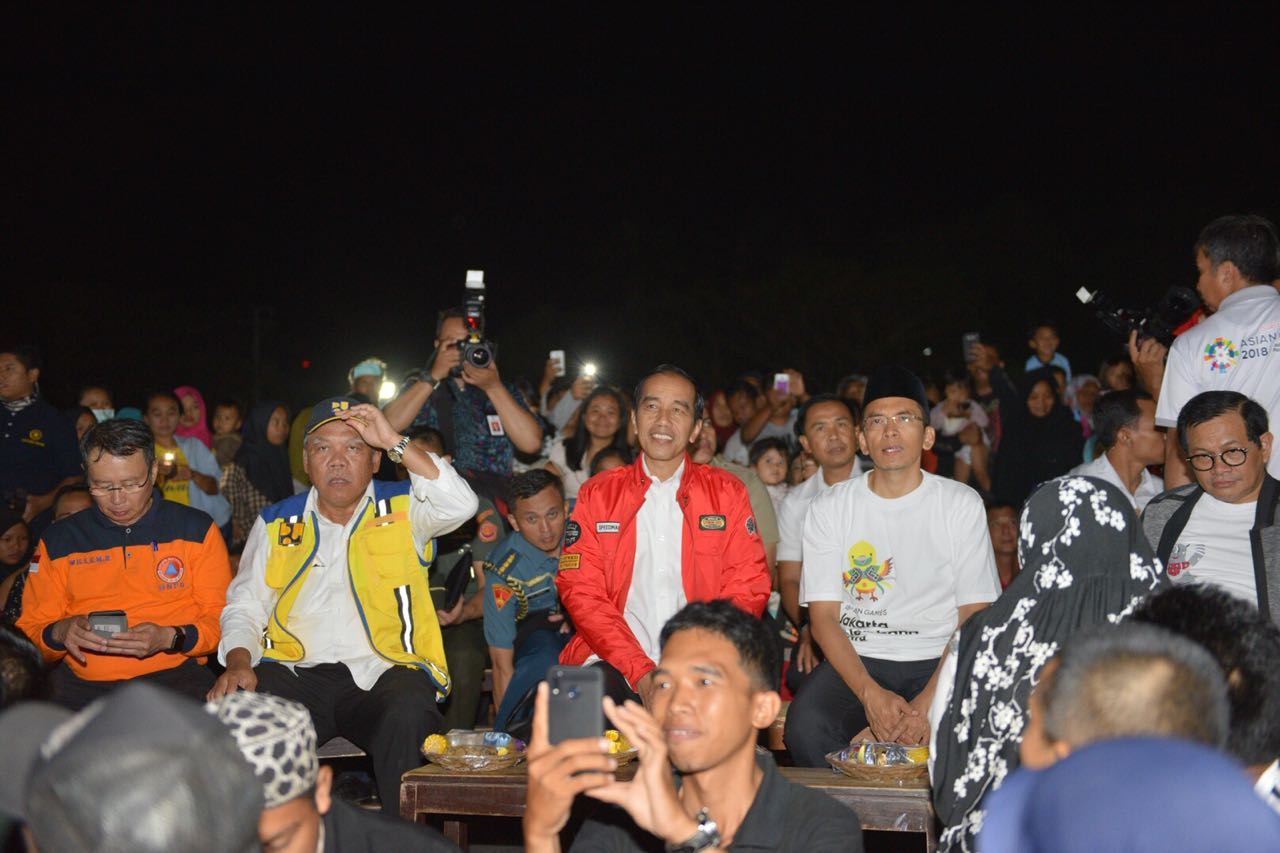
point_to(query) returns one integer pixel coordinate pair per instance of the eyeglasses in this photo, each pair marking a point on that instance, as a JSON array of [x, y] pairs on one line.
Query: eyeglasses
[[1232, 458], [879, 422], [127, 488]]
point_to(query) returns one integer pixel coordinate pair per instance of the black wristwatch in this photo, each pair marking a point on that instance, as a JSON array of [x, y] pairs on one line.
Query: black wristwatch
[[707, 836], [179, 639]]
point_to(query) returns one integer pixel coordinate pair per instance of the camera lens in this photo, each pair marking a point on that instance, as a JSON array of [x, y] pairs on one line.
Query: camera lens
[[480, 356], [573, 693]]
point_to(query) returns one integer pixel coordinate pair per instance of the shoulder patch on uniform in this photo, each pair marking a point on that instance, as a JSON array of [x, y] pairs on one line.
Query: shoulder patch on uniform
[[487, 532], [608, 527], [570, 561], [751, 524], [711, 522], [501, 595], [572, 533]]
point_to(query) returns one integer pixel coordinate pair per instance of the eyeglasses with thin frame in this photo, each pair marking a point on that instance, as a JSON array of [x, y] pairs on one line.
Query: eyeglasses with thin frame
[[1232, 457], [879, 422], [127, 488]]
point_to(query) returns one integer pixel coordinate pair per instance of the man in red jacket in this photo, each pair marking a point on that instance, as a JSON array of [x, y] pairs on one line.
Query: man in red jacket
[[646, 539]]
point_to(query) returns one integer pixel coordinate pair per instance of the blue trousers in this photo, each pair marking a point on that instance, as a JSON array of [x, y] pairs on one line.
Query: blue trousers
[[537, 653]]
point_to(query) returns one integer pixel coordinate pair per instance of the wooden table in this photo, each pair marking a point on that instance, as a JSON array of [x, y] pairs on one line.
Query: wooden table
[[432, 790]]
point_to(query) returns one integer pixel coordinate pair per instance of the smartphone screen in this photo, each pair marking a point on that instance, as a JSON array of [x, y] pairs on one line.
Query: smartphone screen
[[782, 382], [575, 708], [967, 342], [557, 356]]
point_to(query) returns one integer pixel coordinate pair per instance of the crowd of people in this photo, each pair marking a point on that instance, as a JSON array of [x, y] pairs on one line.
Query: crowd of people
[[1066, 585]]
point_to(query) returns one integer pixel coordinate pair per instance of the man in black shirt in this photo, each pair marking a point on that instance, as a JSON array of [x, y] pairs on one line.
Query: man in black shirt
[[715, 687]]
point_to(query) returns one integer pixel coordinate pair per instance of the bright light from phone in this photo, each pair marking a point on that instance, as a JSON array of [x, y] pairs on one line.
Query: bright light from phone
[[588, 369], [387, 391]]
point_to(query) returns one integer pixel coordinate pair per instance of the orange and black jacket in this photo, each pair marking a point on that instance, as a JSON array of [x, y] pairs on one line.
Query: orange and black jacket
[[170, 567]]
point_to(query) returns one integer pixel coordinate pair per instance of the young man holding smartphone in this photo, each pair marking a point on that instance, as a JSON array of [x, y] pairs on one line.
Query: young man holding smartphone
[[715, 687]]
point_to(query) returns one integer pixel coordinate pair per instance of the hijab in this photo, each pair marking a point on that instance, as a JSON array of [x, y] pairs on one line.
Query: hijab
[[1035, 449], [200, 429], [1085, 561], [265, 464]]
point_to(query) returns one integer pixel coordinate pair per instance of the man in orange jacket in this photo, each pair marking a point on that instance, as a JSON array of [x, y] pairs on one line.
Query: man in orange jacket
[[162, 563], [645, 539]]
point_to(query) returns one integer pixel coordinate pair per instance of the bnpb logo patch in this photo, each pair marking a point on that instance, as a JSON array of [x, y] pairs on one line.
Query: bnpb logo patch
[[170, 569]]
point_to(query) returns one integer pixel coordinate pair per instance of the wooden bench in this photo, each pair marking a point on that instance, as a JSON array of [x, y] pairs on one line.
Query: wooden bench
[[432, 790]]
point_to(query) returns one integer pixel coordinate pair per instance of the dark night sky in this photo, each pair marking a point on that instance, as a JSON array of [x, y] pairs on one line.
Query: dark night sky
[[763, 192]]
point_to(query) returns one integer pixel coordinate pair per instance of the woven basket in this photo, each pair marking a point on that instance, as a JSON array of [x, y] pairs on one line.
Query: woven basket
[[477, 759], [896, 774]]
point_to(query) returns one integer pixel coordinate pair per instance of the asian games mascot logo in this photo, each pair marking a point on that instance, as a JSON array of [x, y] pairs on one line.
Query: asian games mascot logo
[[866, 576]]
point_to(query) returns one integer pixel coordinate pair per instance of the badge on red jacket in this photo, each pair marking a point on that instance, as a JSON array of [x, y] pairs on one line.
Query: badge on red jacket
[[572, 532], [711, 522]]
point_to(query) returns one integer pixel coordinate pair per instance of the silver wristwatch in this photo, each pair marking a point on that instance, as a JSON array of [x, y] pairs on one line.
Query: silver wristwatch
[[396, 452], [707, 836]]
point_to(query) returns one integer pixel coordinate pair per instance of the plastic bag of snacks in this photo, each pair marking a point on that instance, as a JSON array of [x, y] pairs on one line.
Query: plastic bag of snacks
[[876, 761], [470, 750]]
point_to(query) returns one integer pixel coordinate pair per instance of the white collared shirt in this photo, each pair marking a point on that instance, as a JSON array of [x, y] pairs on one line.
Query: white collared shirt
[[1148, 485], [324, 617], [657, 584], [795, 506]]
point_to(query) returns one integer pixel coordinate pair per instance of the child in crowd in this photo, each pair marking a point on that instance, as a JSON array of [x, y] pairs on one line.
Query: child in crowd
[[228, 420], [961, 425], [800, 468], [768, 459], [1043, 341]]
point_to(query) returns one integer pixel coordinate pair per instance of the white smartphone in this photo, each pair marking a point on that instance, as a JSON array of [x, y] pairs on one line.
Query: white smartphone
[[557, 355]]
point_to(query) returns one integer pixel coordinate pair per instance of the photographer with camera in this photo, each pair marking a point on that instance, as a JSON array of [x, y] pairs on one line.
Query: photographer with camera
[[1233, 350], [483, 419]]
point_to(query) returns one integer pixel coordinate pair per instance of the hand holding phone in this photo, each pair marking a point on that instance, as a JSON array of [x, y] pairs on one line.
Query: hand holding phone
[[108, 623], [557, 358], [782, 383]]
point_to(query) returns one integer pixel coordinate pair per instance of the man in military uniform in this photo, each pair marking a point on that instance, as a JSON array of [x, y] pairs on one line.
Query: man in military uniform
[[522, 621]]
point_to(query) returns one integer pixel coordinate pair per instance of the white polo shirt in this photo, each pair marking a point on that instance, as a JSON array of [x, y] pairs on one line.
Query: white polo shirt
[[1234, 350], [1148, 485]]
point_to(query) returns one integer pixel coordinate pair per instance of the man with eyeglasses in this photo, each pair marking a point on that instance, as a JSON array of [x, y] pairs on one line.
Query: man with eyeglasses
[[161, 563], [894, 562], [1221, 529]]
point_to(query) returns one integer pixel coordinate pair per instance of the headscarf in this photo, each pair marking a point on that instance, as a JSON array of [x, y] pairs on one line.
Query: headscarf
[[1034, 449], [265, 464], [1085, 561], [200, 429], [1140, 794]]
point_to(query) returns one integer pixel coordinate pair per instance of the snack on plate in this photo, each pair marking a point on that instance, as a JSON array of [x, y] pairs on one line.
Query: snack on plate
[[882, 762], [470, 750], [619, 747]]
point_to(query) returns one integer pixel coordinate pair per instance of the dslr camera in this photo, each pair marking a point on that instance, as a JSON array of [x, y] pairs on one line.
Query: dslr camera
[[476, 349], [1160, 321]]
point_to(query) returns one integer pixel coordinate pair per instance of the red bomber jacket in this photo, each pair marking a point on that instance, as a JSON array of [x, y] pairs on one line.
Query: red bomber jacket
[[721, 557]]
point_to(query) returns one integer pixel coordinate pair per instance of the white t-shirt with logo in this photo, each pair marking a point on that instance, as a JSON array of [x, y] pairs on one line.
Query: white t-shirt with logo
[[1234, 350], [899, 567], [1214, 548], [794, 508]]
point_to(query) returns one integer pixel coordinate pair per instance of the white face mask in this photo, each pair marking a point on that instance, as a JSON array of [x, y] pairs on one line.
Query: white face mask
[[103, 414]]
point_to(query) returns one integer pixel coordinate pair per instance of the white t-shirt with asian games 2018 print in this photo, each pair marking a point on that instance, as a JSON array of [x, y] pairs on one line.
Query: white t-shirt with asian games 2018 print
[[900, 567]]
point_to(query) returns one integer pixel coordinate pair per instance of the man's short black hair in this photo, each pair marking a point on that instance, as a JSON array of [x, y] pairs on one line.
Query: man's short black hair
[[756, 644], [1246, 645], [1114, 411], [429, 433], [803, 413], [526, 484], [68, 489], [742, 386], [27, 354], [1042, 324], [229, 403], [1249, 242], [118, 437], [457, 312], [23, 675], [1208, 405], [1134, 679], [672, 370]]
